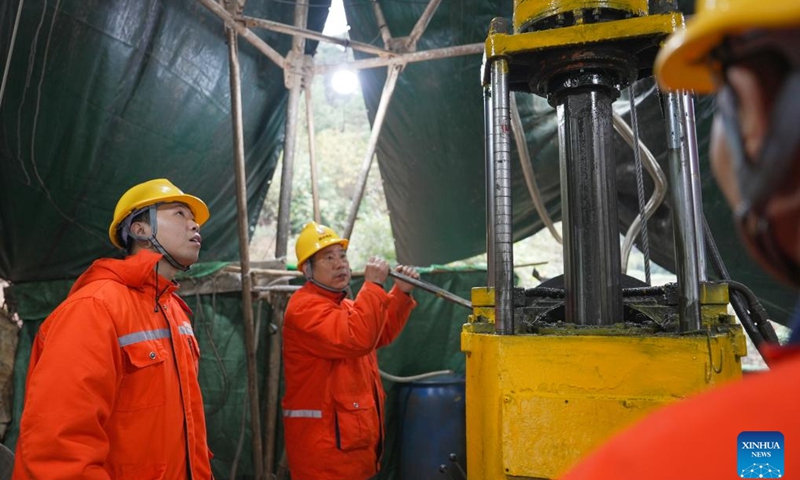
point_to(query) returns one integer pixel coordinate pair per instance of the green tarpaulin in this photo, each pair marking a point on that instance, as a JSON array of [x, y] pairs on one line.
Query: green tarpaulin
[[102, 95]]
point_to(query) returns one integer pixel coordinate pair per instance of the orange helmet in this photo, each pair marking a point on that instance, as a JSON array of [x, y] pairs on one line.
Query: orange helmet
[[314, 238]]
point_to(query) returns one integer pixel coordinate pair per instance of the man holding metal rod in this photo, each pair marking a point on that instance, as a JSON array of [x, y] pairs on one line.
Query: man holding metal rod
[[333, 409]]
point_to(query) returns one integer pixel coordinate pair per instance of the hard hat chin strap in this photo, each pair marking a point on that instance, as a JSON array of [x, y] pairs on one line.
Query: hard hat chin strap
[[308, 271], [166, 254], [152, 211]]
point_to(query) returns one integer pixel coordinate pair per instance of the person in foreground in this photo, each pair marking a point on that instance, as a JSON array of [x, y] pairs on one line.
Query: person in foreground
[[112, 389], [748, 53], [333, 409]]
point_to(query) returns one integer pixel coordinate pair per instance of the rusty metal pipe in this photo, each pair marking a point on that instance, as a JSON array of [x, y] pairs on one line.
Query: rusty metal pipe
[[434, 289]]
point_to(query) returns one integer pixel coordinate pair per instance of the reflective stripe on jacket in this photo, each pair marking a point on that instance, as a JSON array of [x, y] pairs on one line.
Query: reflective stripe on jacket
[[333, 406], [112, 389]]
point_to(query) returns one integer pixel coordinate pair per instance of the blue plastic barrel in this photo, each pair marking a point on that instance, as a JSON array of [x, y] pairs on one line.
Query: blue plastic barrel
[[432, 428]]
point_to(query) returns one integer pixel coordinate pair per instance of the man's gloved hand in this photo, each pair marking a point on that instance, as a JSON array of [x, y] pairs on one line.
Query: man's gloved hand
[[376, 271], [408, 271]]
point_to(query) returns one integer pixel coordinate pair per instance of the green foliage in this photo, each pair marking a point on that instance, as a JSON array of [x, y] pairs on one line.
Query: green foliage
[[341, 131]]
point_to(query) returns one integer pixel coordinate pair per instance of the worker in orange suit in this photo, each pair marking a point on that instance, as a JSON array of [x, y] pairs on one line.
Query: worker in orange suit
[[112, 390], [748, 53], [333, 409]]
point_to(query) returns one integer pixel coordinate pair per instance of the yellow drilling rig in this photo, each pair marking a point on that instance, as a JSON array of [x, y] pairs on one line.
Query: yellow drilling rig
[[553, 371]]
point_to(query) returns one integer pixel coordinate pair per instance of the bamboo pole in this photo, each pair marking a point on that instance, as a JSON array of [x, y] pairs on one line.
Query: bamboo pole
[[287, 171], [278, 301], [312, 154], [244, 254], [382, 25], [422, 23], [245, 32], [296, 80], [435, 54], [268, 291], [312, 35], [377, 124]]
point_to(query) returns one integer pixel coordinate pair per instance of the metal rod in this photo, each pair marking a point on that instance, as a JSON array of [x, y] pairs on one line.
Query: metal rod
[[429, 287], [690, 144], [527, 170], [244, 252], [440, 292], [245, 32], [377, 124], [488, 127], [503, 214], [312, 155], [682, 221], [422, 22], [435, 54], [311, 35], [592, 274]]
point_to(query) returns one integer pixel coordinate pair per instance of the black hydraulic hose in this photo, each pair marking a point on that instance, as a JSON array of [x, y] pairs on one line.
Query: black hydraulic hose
[[742, 299], [759, 313]]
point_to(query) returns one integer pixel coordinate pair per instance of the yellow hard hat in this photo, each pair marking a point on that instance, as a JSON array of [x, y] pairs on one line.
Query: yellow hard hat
[[314, 238], [683, 61], [149, 193]]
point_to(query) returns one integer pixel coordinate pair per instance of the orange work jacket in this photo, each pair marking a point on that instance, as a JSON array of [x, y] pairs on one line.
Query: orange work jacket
[[697, 437], [112, 389], [333, 406]]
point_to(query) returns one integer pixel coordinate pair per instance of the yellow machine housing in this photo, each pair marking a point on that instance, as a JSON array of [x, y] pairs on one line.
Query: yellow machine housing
[[554, 371], [537, 403], [527, 12]]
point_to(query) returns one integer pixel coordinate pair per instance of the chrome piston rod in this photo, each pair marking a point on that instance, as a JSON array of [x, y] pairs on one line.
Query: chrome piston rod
[[502, 256], [686, 251]]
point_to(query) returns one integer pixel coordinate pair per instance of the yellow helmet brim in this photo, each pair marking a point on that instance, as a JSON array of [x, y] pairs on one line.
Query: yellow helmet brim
[[683, 62]]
